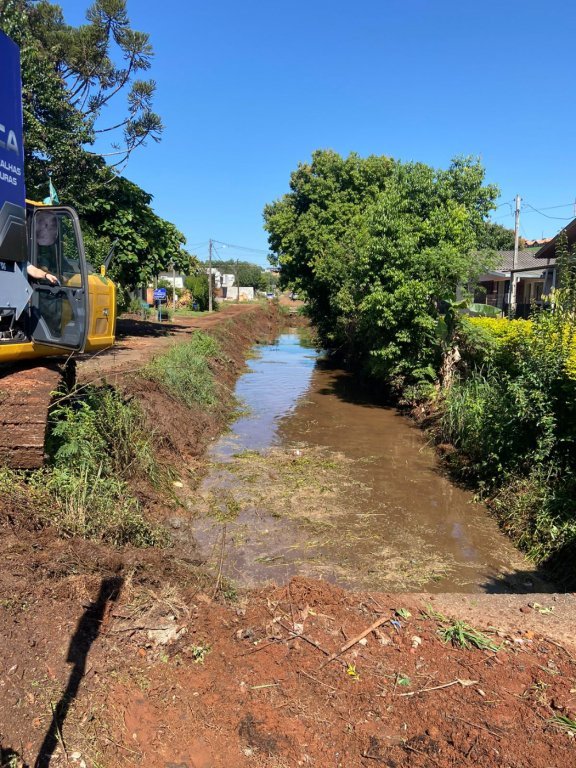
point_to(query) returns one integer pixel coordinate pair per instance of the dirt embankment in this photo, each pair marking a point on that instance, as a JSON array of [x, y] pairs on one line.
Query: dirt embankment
[[124, 657]]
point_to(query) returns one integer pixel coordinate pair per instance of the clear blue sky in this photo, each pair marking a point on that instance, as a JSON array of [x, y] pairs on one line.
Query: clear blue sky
[[247, 90]]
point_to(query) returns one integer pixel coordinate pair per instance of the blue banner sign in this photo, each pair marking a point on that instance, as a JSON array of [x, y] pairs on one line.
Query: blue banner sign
[[12, 186], [160, 294]]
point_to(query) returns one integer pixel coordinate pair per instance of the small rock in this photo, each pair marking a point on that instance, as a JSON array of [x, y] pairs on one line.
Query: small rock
[[175, 522], [178, 484]]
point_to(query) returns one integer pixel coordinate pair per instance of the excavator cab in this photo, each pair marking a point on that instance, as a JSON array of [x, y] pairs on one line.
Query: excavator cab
[[76, 314], [58, 314]]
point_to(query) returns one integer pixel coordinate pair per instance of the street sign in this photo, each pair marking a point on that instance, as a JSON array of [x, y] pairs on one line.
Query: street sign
[[160, 294]]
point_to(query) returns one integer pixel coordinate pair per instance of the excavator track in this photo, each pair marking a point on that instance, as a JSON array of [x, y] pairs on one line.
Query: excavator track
[[25, 397]]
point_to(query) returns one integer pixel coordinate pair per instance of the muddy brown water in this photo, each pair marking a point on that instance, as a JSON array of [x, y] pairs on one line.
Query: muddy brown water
[[401, 525]]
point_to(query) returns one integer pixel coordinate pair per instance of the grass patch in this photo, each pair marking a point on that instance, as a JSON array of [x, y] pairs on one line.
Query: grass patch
[[94, 506], [97, 443], [462, 635], [184, 371], [564, 723], [99, 432]]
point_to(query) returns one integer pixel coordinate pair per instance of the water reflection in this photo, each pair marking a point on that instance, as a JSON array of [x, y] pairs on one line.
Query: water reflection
[[277, 377]]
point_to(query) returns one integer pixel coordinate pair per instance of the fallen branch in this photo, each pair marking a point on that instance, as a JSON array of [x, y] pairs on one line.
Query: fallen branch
[[303, 637], [464, 683], [221, 562], [424, 754], [477, 725], [361, 636]]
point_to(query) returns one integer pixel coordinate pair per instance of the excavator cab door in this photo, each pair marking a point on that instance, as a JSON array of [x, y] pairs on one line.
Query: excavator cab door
[[59, 313]]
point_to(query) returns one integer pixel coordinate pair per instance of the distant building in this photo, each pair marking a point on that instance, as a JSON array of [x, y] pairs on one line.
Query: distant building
[[231, 293], [174, 279], [535, 277]]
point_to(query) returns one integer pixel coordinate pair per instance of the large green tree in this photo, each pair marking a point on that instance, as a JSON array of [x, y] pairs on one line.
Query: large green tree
[[69, 77], [146, 243], [375, 245]]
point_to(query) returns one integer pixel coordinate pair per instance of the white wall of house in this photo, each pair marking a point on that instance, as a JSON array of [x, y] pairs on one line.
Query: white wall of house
[[176, 280], [246, 293]]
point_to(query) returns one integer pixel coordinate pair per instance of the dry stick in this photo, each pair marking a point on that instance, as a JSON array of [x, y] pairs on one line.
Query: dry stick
[[255, 650], [59, 733], [303, 637], [419, 752], [331, 687], [553, 642], [291, 606], [361, 636], [476, 725], [437, 687], [221, 563], [372, 757]]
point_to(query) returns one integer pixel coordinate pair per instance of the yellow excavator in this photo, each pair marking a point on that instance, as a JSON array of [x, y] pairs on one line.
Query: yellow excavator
[[52, 303]]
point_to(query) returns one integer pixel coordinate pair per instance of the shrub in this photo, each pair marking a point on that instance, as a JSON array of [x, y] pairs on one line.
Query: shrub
[[97, 441], [99, 431]]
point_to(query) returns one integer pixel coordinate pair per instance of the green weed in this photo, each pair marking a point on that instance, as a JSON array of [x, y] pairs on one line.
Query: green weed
[[564, 722], [95, 506], [184, 371], [99, 431], [199, 653], [462, 635]]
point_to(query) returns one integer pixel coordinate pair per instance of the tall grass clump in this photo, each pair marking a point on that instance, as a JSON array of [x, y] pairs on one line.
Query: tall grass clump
[[184, 371], [97, 443], [96, 506]]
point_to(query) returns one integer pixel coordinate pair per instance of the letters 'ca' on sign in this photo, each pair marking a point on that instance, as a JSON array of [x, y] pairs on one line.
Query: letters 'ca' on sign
[[159, 294]]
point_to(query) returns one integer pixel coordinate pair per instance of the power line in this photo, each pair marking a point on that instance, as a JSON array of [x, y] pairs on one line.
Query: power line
[[552, 207], [242, 247], [559, 218]]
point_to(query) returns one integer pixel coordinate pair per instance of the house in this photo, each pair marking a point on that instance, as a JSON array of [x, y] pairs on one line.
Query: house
[[173, 278], [535, 276], [548, 250], [231, 293]]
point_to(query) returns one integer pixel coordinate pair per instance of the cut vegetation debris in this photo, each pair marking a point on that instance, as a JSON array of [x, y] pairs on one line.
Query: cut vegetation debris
[[564, 723], [289, 511]]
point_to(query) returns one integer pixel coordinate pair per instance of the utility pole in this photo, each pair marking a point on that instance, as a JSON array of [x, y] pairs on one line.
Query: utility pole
[[512, 306], [237, 284], [210, 275]]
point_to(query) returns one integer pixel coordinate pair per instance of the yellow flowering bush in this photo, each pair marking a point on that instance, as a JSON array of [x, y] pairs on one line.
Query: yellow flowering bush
[[510, 337]]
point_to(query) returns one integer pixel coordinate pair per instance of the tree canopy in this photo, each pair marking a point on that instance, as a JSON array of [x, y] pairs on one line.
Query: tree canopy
[[69, 77], [375, 245]]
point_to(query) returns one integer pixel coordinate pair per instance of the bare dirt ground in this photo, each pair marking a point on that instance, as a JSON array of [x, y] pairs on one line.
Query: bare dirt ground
[[125, 657]]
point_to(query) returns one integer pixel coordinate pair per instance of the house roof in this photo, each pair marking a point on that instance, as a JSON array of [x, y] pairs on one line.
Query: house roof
[[527, 259], [548, 250]]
